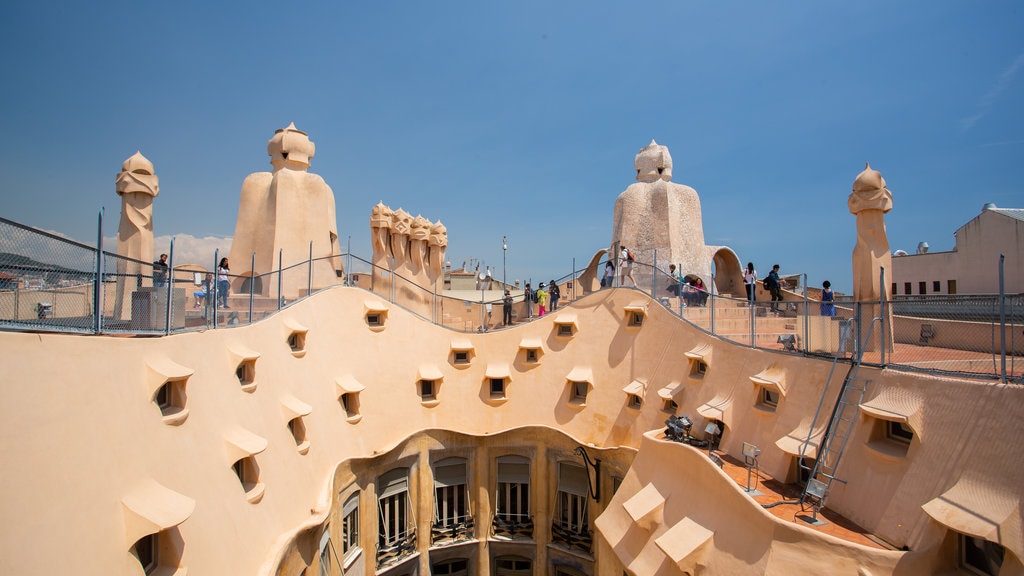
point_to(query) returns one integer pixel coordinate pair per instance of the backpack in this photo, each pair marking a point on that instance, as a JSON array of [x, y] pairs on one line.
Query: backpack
[[767, 285], [533, 296], [629, 255]]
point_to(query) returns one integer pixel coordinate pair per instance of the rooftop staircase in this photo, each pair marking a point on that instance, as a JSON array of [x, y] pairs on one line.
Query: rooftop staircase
[[732, 319]]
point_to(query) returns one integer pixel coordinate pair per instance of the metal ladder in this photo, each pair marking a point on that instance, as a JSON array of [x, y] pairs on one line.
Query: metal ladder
[[833, 442]]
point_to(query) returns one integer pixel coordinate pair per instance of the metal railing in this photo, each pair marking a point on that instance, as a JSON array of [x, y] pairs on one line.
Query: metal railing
[[52, 284]]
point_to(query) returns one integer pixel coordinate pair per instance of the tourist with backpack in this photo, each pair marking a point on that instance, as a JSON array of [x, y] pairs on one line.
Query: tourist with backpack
[[528, 299], [542, 300], [554, 293], [774, 285], [626, 267]]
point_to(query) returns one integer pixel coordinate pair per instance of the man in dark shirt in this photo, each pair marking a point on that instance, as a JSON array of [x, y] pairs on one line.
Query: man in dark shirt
[[775, 287], [160, 272], [528, 300]]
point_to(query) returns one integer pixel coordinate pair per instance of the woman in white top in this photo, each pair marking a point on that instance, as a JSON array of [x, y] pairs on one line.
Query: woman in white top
[[626, 267], [609, 275], [750, 281], [223, 284]]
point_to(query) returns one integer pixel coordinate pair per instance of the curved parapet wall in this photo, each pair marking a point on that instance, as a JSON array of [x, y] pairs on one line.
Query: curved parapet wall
[[251, 424]]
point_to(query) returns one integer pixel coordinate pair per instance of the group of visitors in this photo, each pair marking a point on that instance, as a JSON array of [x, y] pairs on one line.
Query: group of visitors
[[773, 283], [625, 268], [220, 289], [205, 288], [546, 297], [692, 290]]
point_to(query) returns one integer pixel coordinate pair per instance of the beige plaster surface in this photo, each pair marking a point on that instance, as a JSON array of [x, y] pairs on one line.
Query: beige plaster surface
[[75, 456], [313, 404]]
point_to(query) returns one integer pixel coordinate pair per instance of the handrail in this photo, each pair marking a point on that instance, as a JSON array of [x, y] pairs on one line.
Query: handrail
[[36, 254]]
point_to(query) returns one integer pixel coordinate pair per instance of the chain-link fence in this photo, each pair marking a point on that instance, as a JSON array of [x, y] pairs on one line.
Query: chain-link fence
[[49, 283], [46, 282]]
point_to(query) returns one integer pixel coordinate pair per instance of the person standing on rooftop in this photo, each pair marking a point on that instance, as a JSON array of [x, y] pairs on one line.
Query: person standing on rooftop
[[506, 308], [626, 266], [542, 300], [775, 287], [750, 282]]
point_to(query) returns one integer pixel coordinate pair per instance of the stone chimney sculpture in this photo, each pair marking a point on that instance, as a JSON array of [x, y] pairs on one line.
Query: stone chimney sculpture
[[869, 202], [284, 215], [137, 185], [658, 215], [408, 256]]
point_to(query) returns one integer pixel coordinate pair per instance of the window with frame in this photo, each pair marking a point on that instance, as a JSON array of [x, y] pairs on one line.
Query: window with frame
[[246, 373], [427, 390], [636, 318], [157, 553], [497, 387], [451, 496], [531, 355], [326, 559], [248, 473], [297, 341], [396, 523], [579, 391], [145, 551], [374, 319], [950, 287], [890, 438], [936, 286], [171, 397], [571, 504], [565, 329], [898, 432], [350, 403], [634, 401], [698, 368], [298, 429], [461, 357], [513, 493], [906, 288], [350, 526], [670, 406], [456, 567], [922, 288], [768, 398], [513, 566], [804, 468], [978, 556]]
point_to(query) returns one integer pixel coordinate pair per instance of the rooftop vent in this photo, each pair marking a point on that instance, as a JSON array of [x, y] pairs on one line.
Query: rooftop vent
[[988, 206], [922, 247]]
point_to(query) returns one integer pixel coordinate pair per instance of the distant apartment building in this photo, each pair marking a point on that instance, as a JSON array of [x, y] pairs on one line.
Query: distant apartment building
[[972, 266]]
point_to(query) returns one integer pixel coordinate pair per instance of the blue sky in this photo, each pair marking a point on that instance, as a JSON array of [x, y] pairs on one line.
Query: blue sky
[[523, 118]]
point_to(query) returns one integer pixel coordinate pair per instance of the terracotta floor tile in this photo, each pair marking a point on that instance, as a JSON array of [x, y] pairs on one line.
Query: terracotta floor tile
[[773, 491]]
